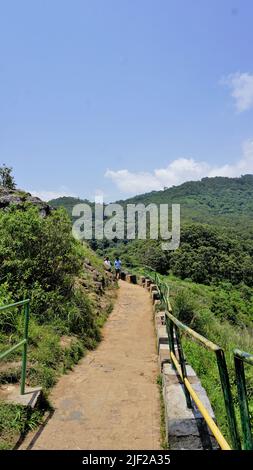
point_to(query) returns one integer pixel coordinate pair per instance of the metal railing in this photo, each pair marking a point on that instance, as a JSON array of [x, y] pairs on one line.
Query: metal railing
[[241, 357], [162, 287], [174, 330], [26, 305]]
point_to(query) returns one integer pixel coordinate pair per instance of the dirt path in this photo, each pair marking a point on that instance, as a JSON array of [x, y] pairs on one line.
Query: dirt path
[[110, 400]]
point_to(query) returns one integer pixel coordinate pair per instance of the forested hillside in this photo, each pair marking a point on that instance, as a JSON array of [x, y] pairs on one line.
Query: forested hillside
[[216, 232], [218, 201], [67, 202]]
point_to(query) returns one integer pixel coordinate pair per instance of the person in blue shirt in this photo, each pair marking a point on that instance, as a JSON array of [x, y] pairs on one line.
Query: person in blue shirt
[[117, 266]]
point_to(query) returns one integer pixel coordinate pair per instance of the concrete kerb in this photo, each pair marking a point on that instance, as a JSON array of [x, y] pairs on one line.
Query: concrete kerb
[[185, 428], [154, 296], [147, 283], [141, 281], [152, 287], [10, 393], [131, 278], [159, 319], [156, 305]]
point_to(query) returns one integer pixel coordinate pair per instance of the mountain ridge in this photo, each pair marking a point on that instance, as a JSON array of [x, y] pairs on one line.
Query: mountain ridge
[[224, 201]]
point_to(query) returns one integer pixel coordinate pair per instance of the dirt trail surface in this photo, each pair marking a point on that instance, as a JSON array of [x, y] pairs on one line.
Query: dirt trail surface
[[110, 400]]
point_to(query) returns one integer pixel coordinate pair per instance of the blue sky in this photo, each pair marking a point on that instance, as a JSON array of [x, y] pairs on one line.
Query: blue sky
[[123, 96]]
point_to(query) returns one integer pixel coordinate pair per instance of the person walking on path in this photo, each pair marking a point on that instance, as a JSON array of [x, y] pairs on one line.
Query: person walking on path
[[117, 266], [107, 264]]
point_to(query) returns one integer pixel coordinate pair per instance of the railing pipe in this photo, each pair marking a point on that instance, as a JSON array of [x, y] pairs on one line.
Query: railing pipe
[[24, 356], [239, 358], [24, 342]]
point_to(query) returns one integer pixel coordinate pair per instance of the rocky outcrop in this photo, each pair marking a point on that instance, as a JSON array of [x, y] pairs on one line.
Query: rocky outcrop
[[20, 199]]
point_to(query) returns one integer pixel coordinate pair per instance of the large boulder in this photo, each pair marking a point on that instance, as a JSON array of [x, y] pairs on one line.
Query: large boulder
[[19, 198]]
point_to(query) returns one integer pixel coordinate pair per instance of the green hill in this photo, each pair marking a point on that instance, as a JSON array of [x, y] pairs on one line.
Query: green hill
[[67, 202], [219, 201], [216, 232]]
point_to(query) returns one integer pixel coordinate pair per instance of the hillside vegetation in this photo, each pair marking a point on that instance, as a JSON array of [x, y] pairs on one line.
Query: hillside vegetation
[[220, 200], [71, 296], [216, 232], [210, 274], [68, 202]]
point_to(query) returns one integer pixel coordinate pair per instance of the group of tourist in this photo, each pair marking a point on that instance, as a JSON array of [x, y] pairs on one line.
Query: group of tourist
[[117, 266]]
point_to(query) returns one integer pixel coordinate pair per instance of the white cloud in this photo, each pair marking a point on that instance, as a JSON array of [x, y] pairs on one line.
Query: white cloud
[[241, 85], [179, 171], [48, 195], [243, 166], [133, 182]]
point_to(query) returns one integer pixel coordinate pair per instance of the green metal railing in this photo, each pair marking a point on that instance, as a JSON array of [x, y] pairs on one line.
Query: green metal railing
[[26, 306], [174, 330], [241, 357]]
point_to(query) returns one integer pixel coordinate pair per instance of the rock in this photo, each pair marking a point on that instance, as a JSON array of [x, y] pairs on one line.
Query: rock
[[67, 341], [142, 281], [97, 276], [157, 305], [152, 287], [160, 319], [131, 278], [154, 296], [19, 198], [147, 283], [98, 286]]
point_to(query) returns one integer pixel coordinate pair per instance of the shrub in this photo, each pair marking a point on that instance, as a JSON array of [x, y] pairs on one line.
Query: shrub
[[184, 307], [8, 318], [81, 320], [37, 253]]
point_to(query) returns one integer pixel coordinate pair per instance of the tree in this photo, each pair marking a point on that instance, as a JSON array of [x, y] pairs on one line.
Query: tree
[[38, 256], [6, 178]]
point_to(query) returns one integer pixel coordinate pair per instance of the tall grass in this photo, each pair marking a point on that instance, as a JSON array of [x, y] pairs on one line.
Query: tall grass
[[192, 304]]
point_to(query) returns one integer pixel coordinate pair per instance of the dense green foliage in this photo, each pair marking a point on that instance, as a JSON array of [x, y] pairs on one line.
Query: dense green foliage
[[40, 260], [209, 255], [206, 255]]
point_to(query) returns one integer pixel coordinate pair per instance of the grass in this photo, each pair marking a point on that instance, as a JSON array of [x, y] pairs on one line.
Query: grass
[[15, 422], [105, 314], [88, 253], [164, 443]]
